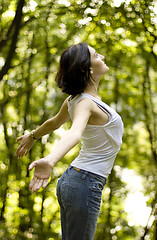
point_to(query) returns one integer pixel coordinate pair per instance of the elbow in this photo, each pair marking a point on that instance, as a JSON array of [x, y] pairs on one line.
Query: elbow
[[78, 136], [74, 135]]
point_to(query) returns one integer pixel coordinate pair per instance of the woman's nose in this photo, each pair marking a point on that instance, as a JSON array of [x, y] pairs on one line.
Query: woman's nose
[[101, 56]]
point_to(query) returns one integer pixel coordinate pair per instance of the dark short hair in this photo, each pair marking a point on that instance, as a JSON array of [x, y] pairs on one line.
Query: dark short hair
[[74, 69]]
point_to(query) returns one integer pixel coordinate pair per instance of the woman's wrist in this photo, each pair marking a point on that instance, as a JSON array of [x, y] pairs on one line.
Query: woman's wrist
[[51, 164], [51, 160], [32, 135]]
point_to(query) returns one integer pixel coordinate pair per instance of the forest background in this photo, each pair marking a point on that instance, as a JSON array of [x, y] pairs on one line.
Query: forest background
[[34, 33]]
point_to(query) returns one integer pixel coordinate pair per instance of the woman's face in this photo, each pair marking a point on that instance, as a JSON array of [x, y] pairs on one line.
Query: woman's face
[[98, 67]]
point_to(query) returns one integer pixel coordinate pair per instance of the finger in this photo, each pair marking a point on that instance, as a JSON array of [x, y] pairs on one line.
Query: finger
[[45, 182], [26, 152], [19, 149], [34, 188], [23, 151], [20, 153], [32, 165], [19, 138], [38, 184], [32, 182]]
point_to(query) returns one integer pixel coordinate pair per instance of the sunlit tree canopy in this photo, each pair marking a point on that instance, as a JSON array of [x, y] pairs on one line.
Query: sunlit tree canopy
[[33, 35]]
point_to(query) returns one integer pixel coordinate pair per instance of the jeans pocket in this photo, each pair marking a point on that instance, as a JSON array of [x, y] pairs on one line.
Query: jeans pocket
[[67, 194], [95, 196]]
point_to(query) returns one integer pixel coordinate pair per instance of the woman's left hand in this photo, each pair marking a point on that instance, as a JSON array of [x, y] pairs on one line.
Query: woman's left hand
[[42, 174], [26, 144]]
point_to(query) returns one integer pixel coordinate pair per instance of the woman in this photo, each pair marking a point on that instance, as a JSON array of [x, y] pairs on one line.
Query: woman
[[100, 127]]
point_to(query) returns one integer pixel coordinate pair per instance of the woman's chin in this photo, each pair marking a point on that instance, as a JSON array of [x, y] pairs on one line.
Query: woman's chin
[[106, 69]]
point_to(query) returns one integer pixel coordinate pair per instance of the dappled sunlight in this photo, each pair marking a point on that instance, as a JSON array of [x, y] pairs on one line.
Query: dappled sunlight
[[136, 202], [136, 207], [31, 42]]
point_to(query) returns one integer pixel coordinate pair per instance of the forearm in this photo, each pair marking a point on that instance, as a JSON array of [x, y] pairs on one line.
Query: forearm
[[66, 143], [46, 128]]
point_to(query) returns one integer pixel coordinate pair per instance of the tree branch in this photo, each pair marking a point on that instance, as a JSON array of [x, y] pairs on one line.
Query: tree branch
[[11, 52]]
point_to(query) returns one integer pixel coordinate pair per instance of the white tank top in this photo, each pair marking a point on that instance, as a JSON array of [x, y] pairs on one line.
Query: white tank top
[[100, 143]]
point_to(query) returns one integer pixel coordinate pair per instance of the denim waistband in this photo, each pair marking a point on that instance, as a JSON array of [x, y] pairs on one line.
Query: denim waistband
[[90, 174]]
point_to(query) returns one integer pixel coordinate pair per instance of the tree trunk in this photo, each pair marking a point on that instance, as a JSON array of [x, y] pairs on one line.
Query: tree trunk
[[17, 23]]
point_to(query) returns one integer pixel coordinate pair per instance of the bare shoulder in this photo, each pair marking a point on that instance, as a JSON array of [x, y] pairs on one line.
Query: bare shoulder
[[66, 101], [64, 106], [86, 103], [83, 108]]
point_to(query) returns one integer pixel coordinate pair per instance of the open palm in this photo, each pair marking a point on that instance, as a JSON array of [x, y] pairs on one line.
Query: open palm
[[42, 174]]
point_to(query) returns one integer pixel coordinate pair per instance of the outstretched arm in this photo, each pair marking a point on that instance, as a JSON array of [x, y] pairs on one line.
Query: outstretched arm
[[47, 127], [67, 142]]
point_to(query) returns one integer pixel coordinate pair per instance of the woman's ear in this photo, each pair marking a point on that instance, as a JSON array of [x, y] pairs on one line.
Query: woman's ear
[[91, 71]]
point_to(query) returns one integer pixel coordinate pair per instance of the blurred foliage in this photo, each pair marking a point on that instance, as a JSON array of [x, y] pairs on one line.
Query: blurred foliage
[[33, 35]]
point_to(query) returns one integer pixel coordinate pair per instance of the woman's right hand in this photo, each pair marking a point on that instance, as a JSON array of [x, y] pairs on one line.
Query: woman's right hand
[[26, 144], [42, 173]]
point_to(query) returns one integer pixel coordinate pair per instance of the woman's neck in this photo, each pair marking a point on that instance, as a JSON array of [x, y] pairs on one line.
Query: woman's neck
[[92, 89]]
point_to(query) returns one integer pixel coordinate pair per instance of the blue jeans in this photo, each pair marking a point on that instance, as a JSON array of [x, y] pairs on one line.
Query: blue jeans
[[79, 196]]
